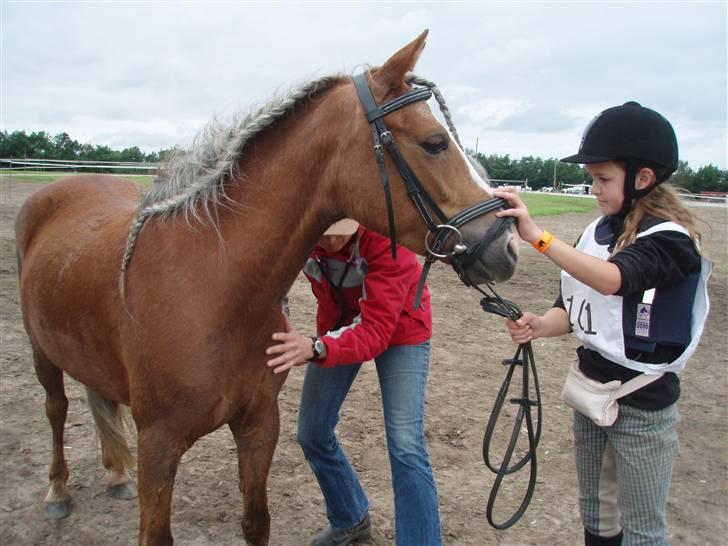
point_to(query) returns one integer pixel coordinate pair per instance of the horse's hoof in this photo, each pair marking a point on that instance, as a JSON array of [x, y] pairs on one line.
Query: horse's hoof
[[123, 491], [58, 509]]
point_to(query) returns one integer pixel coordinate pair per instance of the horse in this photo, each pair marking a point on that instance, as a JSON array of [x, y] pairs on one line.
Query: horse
[[165, 301]]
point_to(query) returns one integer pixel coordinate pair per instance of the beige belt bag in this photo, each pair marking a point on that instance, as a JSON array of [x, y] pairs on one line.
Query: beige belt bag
[[598, 401]]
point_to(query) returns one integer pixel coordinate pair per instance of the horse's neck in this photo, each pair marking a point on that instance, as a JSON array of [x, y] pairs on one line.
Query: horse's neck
[[281, 211]]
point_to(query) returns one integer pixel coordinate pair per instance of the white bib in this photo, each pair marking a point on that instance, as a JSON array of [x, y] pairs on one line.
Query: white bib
[[596, 319]]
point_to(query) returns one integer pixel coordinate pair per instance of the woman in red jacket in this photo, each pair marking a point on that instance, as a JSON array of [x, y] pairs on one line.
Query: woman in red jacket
[[365, 312]]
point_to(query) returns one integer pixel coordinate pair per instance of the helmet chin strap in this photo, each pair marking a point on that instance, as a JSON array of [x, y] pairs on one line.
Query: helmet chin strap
[[631, 193]]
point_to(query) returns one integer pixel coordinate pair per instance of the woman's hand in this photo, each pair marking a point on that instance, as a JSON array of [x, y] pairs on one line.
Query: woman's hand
[[293, 349], [527, 228], [525, 329]]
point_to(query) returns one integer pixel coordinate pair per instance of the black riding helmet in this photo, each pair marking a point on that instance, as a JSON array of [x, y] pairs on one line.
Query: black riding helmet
[[636, 135]]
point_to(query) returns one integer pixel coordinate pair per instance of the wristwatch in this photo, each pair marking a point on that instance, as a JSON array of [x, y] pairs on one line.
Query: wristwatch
[[318, 348]]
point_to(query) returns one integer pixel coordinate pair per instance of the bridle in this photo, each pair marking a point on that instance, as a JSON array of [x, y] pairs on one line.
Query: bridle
[[440, 227]]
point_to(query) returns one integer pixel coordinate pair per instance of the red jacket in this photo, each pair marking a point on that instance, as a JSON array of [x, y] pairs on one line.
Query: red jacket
[[378, 293]]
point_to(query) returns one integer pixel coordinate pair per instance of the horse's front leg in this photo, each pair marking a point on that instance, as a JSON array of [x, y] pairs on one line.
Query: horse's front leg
[[256, 435], [159, 454]]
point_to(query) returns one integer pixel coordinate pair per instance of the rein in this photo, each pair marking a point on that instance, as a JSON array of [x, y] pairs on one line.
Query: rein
[[495, 304]]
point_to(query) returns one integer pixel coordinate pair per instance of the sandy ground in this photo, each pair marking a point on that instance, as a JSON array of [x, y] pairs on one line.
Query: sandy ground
[[464, 379]]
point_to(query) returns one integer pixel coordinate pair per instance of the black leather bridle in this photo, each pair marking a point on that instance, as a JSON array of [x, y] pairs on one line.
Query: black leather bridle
[[440, 227]]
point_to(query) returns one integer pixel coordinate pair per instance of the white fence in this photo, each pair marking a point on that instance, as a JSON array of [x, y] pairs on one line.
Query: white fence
[[51, 164]]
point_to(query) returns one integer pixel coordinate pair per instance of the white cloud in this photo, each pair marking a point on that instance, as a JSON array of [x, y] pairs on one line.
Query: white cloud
[[522, 78]]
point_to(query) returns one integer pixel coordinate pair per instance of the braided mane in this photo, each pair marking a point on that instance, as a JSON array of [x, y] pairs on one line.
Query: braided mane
[[198, 176], [194, 181]]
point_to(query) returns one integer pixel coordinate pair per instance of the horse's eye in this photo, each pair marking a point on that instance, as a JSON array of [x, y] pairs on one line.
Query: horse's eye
[[435, 144]]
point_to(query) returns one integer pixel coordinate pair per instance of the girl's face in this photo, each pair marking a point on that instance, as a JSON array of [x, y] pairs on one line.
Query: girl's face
[[607, 185]]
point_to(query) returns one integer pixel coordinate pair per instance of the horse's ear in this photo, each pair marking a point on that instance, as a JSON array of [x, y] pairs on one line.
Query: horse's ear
[[391, 75]]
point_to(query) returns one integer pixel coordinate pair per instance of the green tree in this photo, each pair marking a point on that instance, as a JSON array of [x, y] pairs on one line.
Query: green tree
[[498, 167], [167, 153], [572, 173], [151, 157], [132, 154], [40, 145], [532, 169], [683, 175], [709, 178], [537, 171], [64, 147], [14, 145]]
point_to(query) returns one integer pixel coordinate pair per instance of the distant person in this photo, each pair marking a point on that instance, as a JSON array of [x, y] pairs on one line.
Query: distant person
[[633, 291], [365, 300]]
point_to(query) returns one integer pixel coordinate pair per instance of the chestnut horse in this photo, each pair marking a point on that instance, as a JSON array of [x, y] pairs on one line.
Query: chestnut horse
[[206, 259]]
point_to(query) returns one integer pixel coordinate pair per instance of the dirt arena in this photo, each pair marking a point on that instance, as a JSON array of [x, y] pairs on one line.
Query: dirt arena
[[465, 375]]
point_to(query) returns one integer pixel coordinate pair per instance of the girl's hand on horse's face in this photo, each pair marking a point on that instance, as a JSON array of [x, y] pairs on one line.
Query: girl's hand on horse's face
[[527, 228], [292, 348]]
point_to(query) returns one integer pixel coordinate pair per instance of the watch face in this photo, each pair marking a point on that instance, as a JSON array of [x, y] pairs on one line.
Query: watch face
[[318, 347]]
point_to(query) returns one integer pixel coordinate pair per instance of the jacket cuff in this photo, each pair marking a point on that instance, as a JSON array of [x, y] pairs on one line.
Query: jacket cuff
[[332, 353]]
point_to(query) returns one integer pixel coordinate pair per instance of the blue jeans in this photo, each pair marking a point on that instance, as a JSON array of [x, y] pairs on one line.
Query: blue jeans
[[402, 372]]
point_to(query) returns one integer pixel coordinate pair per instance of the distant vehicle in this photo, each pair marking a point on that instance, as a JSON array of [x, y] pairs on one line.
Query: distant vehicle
[[547, 189], [578, 189]]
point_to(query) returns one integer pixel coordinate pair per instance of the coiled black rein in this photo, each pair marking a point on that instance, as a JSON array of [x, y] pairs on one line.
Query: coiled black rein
[[495, 304]]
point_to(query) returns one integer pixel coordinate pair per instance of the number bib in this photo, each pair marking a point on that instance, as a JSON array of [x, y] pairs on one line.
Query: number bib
[[596, 319]]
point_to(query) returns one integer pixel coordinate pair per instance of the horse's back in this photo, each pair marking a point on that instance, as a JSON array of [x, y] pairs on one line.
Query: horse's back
[[71, 201], [70, 239]]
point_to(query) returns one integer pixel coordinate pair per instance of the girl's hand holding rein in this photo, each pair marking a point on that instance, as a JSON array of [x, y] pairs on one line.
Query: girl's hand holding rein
[[555, 322], [524, 329]]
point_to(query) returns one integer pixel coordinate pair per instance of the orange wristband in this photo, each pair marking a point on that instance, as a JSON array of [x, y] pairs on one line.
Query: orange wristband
[[544, 242]]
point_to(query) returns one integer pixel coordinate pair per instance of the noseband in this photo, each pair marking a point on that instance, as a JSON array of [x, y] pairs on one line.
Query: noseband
[[440, 228]]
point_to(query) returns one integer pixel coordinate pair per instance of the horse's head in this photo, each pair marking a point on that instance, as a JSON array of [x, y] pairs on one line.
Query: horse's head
[[413, 144]]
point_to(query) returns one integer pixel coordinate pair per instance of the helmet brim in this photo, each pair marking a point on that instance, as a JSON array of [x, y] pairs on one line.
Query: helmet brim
[[586, 159]]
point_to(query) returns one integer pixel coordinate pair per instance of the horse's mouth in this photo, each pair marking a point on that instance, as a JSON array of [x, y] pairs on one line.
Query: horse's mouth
[[488, 268]]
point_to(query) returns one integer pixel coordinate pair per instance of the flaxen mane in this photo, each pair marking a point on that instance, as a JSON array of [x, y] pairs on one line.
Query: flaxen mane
[[194, 181], [197, 177]]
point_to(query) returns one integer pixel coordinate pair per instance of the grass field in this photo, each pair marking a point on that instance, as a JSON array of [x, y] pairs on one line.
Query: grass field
[[553, 204], [47, 177], [539, 204]]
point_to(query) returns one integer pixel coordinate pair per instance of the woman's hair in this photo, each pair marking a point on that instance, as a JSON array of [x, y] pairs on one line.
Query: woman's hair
[[662, 202]]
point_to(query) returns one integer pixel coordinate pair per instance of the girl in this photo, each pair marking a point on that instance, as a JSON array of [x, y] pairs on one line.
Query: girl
[[633, 291]]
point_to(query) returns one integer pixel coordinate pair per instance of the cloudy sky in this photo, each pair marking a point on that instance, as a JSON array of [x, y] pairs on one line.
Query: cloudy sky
[[521, 78]]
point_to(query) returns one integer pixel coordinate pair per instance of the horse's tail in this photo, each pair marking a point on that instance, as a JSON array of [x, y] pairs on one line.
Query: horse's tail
[[111, 421]]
